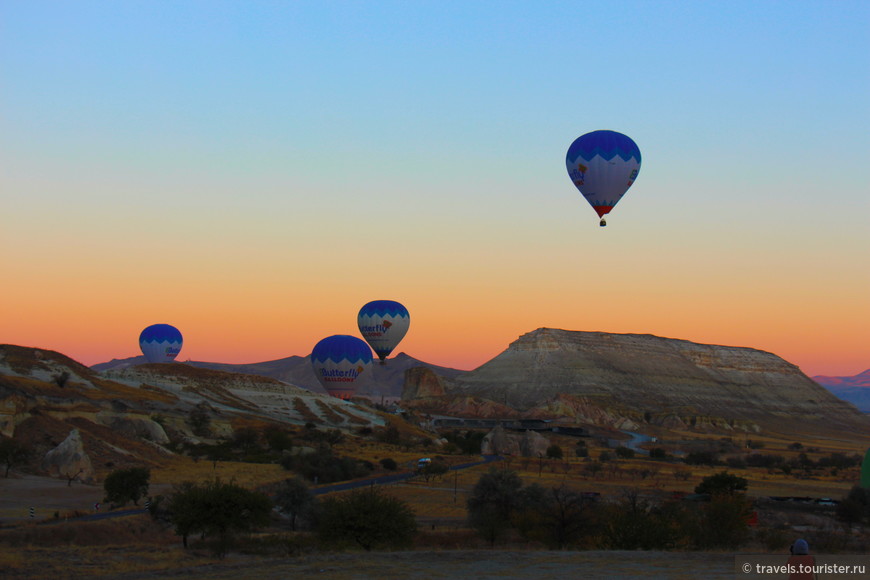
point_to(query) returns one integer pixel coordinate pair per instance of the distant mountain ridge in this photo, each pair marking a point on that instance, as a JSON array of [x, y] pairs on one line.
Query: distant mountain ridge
[[854, 389], [385, 380]]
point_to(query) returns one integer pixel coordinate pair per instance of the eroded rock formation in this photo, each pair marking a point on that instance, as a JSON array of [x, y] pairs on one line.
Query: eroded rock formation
[[69, 459], [624, 380]]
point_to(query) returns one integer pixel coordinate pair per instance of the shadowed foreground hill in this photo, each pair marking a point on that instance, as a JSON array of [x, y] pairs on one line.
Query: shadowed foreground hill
[[627, 379]]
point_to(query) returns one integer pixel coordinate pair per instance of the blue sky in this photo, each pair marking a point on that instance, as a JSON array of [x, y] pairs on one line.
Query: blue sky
[[194, 143]]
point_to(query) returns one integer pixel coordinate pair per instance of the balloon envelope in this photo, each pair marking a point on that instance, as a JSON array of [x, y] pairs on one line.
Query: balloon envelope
[[383, 323], [338, 361], [160, 343], [603, 165]]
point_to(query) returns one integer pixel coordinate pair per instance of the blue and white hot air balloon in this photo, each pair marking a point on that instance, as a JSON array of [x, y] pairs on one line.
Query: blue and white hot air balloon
[[338, 361], [160, 343], [603, 165], [383, 323]]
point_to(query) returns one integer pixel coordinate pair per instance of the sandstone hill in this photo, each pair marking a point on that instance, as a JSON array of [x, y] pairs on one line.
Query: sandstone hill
[[627, 380], [74, 416]]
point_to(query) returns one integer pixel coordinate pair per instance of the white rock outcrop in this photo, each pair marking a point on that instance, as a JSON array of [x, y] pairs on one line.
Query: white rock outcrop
[[69, 459]]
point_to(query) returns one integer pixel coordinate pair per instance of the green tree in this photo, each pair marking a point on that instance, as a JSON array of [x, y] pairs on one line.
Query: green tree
[[294, 499], [324, 467], [632, 523], [278, 439], [13, 453], [123, 485], [389, 464], [624, 452], [721, 523], [554, 452], [493, 500], [217, 509], [555, 516], [722, 483], [433, 470], [200, 421], [246, 438], [369, 518], [855, 507], [658, 453]]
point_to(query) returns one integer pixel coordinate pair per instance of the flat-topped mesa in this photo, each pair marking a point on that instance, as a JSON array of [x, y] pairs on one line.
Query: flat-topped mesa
[[651, 375]]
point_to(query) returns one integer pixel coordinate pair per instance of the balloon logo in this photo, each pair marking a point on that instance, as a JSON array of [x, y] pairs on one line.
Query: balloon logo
[[160, 343], [338, 361], [383, 323], [603, 165]]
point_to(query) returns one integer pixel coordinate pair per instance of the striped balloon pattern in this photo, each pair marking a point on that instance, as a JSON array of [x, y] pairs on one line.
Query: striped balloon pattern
[[383, 324], [338, 361], [160, 343], [603, 165]]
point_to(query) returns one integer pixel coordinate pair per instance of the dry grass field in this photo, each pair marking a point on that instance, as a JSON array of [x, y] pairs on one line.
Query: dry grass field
[[136, 547]]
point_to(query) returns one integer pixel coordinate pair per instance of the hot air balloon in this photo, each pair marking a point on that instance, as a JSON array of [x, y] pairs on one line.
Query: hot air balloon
[[160, 343], [603, 165], [383, 323], [338, 361]]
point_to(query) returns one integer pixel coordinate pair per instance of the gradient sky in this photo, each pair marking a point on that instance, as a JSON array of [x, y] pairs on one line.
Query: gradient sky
[[253, 172]]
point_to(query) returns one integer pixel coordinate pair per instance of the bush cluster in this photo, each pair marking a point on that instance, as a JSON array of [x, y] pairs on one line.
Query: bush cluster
[[560, 517], [323, 466]]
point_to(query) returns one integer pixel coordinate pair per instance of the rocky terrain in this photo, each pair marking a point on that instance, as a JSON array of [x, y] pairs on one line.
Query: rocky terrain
[[384, 381], [627, 380], [81, 420], [78, 420]]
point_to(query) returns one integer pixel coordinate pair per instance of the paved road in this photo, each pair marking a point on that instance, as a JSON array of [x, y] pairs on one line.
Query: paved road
[[638, 439], [343, 486], [394, 478]]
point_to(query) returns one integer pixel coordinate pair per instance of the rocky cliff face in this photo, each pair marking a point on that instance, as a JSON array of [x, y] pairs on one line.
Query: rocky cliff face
[[620, 379], [69, 460]]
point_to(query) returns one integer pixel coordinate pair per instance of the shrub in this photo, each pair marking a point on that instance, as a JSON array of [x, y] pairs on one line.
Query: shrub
[[294, 499], [217, 509], [492, 502], [389, 435], [125, 485], [658, 453], [556, 516], [554, 452], [764, 460], [469, 442], [199, 420], [722, 523], [722, 483], [278, 439], [389, 464], [433, 470], [624, 453], [13, 453], [324, 467], [701, 458], [368, 518], [632, 524]]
